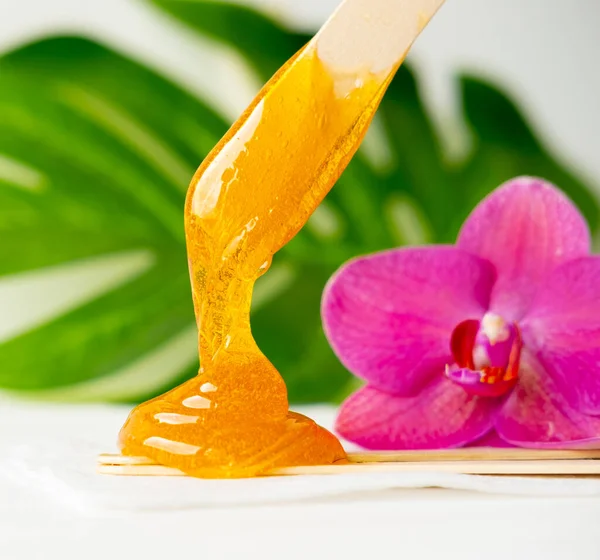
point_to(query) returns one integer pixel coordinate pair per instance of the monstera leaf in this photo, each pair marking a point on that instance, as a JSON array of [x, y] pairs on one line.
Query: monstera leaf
[[96, 152]]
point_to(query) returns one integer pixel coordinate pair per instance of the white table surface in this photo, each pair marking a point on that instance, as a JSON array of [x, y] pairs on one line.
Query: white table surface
[[407, 524]]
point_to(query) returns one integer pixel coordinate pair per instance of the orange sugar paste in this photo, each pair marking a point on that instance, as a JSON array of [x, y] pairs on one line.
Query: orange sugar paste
[[250, 196]]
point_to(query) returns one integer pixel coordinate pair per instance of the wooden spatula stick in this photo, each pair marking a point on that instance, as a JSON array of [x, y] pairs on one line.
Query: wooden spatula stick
[[372, 35], [466, 461], [558, 467], [466, 454]]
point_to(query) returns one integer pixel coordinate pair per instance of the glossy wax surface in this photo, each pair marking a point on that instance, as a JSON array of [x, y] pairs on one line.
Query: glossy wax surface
[[250, 196]]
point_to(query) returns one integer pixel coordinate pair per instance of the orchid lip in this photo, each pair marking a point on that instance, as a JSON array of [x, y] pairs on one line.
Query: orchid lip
[[487, 355], [481, 383]]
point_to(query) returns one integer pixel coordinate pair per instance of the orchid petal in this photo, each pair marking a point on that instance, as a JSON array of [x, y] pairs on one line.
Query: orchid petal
[[563, 330], [441, 416], [389, 316], [537, 415], [526, 228]]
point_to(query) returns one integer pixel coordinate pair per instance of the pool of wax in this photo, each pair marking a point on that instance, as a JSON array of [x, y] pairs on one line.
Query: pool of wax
[[250, 196]]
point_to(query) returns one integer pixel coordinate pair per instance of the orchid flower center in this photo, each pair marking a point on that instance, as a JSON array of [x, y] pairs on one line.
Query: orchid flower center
[[486, 355]]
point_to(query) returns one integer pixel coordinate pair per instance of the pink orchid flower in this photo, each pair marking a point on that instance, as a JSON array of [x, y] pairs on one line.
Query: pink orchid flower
[[495, 340]]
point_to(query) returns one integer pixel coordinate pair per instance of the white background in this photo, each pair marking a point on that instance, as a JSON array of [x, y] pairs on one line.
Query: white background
[[44, 518]]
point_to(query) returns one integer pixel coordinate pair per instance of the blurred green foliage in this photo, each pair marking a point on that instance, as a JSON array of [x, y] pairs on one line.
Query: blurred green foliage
[[101, 151]]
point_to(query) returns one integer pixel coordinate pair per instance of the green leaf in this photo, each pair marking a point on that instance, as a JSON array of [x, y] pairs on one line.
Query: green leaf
[[419, 168], [95, 155], [265, 44], [288, 330], [103, 335], [112, 151], [90, 169], [505, 147]]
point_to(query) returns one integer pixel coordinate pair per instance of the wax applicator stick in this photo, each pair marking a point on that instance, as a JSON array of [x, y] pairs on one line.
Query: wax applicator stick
[[556, 462], [284, 153], [372, 35]]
